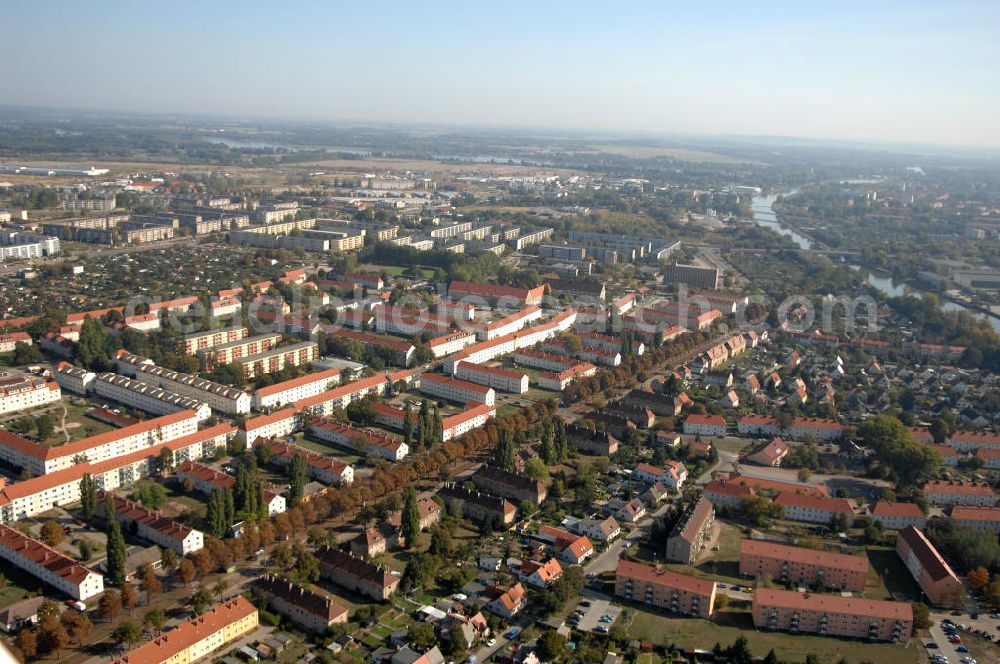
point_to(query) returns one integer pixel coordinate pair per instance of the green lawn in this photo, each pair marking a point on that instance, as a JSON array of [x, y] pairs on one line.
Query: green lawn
[[891, 573], [662, 629], [507, 409]]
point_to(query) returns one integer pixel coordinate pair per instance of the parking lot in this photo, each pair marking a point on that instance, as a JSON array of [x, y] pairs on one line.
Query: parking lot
[[592, 614], [956, 652]]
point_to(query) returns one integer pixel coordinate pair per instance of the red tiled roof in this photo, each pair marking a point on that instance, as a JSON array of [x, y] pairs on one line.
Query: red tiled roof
[[170, 644], [841, 505], [909, 510], [835, 604], [328, 374], [664, 577], [798, 554]]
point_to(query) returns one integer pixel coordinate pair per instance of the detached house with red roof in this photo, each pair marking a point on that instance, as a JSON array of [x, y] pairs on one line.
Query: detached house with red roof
[[570, 548], [540, 575], [508, 603], [771, 454]]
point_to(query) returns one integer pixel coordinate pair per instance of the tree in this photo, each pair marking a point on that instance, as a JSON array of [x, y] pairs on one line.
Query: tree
[[52, 533], [110, 605], [166, 461], [505, 453], [151, 584], [536, 469], [154, 619], [979, 578], [911, 462], [921, 616], [215, 516], [185, 571], [422, 635], [551, 645], [149, 493], [45, 427], [200, 600], [78, 627], [297, 478], [410, 526], [115, 563], [88, 496], [128, 633], [52, 635], [26, 643], [804, 474], [408, 427], [128, 596], [169, 560]]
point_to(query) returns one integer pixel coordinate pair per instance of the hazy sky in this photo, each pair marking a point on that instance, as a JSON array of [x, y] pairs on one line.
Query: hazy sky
[[889, 71]]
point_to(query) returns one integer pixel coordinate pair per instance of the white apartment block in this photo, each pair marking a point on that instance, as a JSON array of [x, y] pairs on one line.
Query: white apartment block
[[295, 389], [471, 418], [498, 378], [278, 424], [48, 565], [324, 403], [146, 397], [39, 494], [193, 343], [454, 389], [377, 443], [557, 381], [447, 344], [41, 460], [153, 526], [509, 324], [980, 518], [74, 379], [27, 392], [223, 398]]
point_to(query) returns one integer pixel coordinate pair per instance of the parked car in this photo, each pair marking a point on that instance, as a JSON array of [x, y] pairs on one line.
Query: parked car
[[931, 646]]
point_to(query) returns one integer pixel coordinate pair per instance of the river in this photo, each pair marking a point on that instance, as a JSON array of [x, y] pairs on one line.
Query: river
[[763, 215]]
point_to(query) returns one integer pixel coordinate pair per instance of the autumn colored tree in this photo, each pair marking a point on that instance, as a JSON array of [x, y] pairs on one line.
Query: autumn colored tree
[[110, 606], [26, 643], [78, 627], [185, 572], [52, 533], [151, 584], [979, 578], [129, 596]]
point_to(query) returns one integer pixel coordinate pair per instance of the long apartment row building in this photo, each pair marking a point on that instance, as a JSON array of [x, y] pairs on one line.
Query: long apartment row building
[[484, 351], [296, 389], [48, 565], [198, 637], [498, 378], [802, 567], [40, 460], [152, 525], [664, 589], [832, 615], [472, 417], [324, 469], [147, 398], [219, 397], [25, 392], [455, 389], [61, 487], [364, 441], [192, 344]]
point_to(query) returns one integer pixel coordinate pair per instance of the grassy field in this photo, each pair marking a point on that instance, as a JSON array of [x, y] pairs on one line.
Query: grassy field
[[891, 573], [693, 633], [723, 566]]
